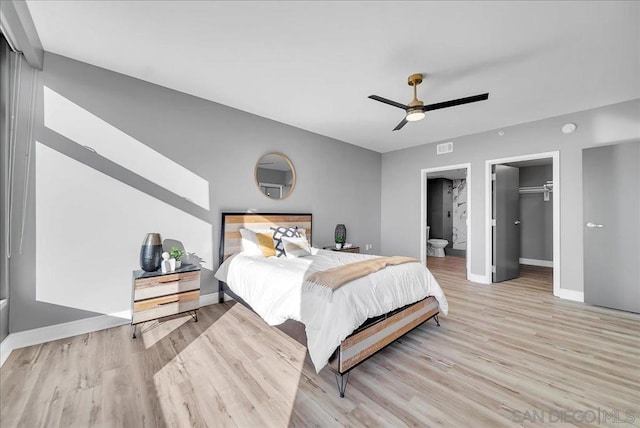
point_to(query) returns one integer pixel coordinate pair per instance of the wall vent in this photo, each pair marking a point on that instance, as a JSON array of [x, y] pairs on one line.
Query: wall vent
[[444, 148]]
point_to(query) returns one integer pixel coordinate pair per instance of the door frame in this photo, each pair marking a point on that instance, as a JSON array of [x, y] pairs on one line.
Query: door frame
[[423, 211], [488, 193]]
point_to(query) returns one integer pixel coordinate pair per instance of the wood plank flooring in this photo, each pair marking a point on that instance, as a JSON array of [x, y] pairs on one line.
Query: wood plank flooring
[[508, 354]]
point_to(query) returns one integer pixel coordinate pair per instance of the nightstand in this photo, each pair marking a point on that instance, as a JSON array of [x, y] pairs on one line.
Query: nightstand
[[157, 295], [344, 250]]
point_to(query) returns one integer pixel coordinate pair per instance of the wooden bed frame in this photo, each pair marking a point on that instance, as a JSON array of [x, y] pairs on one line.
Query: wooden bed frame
[[373, 335]]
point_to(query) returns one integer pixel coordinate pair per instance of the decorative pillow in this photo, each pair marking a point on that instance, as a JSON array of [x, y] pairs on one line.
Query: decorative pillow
[[281, 232], [302, 233], [296, 247], [265, 243], [249, 242]]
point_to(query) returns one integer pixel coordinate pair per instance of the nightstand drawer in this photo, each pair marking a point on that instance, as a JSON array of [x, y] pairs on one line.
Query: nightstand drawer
[[149, 309], [167, 284]]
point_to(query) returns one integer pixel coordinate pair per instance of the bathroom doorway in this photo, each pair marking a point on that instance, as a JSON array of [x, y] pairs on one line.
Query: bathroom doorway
[[522, 209], [446, 212]]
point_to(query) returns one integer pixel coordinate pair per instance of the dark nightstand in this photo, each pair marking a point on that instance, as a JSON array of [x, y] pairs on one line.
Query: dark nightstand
[[344, 250]]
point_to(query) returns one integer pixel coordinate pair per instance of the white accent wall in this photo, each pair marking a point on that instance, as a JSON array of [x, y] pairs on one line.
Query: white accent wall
[[115, 158], [459, 214]]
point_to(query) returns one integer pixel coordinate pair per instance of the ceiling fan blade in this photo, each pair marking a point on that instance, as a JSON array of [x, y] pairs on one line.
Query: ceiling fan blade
[[401, 124], [386, 101], [457, 102]]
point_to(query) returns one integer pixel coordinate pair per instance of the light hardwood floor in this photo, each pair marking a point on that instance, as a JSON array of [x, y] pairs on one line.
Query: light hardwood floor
[[506, 354]]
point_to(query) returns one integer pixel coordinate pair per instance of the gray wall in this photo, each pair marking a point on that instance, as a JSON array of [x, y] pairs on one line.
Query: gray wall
[[440, 209], [401, 179], [271, 176], [434, 208], [536, 215], [218, 143]]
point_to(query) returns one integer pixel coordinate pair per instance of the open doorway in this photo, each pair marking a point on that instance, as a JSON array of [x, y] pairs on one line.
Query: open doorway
[[446, 210], [523, 201]]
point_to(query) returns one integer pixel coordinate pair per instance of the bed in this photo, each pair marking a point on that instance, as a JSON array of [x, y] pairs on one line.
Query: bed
[[341, 329]]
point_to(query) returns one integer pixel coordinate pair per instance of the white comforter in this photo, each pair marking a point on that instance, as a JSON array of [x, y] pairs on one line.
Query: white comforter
[[274, 288]]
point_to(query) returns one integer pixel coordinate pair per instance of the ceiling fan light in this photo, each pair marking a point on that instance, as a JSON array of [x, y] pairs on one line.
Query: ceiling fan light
[[414, 116]]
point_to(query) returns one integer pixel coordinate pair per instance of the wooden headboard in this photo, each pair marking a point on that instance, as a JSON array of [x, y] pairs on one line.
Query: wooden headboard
[[230, 239], [230, 243]]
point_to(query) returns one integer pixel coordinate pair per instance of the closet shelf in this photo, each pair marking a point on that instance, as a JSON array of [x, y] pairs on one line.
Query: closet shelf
[[545, 189]]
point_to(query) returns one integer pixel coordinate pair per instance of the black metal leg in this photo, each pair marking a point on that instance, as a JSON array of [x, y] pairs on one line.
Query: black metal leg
[[195, 316], [435, 317], [134, 330], [342, 380], [220, 292]]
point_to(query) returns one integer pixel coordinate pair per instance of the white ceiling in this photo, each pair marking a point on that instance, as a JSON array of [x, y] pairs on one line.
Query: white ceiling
[[274, 161], [531, 162], [452, 174], [313, 64]]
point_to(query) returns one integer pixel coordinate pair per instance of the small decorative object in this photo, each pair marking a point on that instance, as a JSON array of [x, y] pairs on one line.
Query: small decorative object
[[338, 245], [341, 234], [176, 253], [151, 252], [166, 263], [194, 259]]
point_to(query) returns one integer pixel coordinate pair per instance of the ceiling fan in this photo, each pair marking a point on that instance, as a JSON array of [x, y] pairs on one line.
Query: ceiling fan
[[415, 109]]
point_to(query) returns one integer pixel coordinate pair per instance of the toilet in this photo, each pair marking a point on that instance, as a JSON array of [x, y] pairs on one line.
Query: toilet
[[435, 247]]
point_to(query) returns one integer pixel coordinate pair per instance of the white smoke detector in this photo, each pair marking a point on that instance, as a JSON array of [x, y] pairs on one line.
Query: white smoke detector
[[568, 128]]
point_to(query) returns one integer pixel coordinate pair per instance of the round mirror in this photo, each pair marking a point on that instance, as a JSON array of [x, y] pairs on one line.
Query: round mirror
[[275, 175]]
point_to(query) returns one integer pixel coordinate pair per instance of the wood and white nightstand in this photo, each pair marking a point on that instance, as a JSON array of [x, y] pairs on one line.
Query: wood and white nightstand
[[157, 295]]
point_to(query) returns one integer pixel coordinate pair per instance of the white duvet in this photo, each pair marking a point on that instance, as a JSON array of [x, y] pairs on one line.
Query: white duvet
[[273, 287]]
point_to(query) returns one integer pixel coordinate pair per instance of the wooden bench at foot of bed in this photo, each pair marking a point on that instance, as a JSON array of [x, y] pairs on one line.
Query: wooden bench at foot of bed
[[367, 341]]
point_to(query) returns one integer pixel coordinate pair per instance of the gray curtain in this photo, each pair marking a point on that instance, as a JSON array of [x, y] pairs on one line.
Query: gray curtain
[[6, 64], [18, 83]]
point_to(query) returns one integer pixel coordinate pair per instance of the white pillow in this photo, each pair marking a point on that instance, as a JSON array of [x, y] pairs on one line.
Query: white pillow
[[302, 232], [249, 242], [296, 247]]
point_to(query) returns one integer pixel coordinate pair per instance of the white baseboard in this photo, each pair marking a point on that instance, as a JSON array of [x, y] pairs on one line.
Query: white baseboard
[[480, 279], [209, 299], [534, 262], [36, 336], [5, 349], [577, 296]]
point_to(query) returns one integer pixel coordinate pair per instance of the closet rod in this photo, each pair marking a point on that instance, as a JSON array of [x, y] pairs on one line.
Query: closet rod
[[537, 189]]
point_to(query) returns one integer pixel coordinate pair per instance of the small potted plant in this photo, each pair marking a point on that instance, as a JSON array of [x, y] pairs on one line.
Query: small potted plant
[[338, 243], [176, 253]]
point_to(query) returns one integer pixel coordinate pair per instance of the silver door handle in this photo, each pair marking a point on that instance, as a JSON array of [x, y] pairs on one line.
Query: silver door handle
[[593, 225], [517, 222]]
